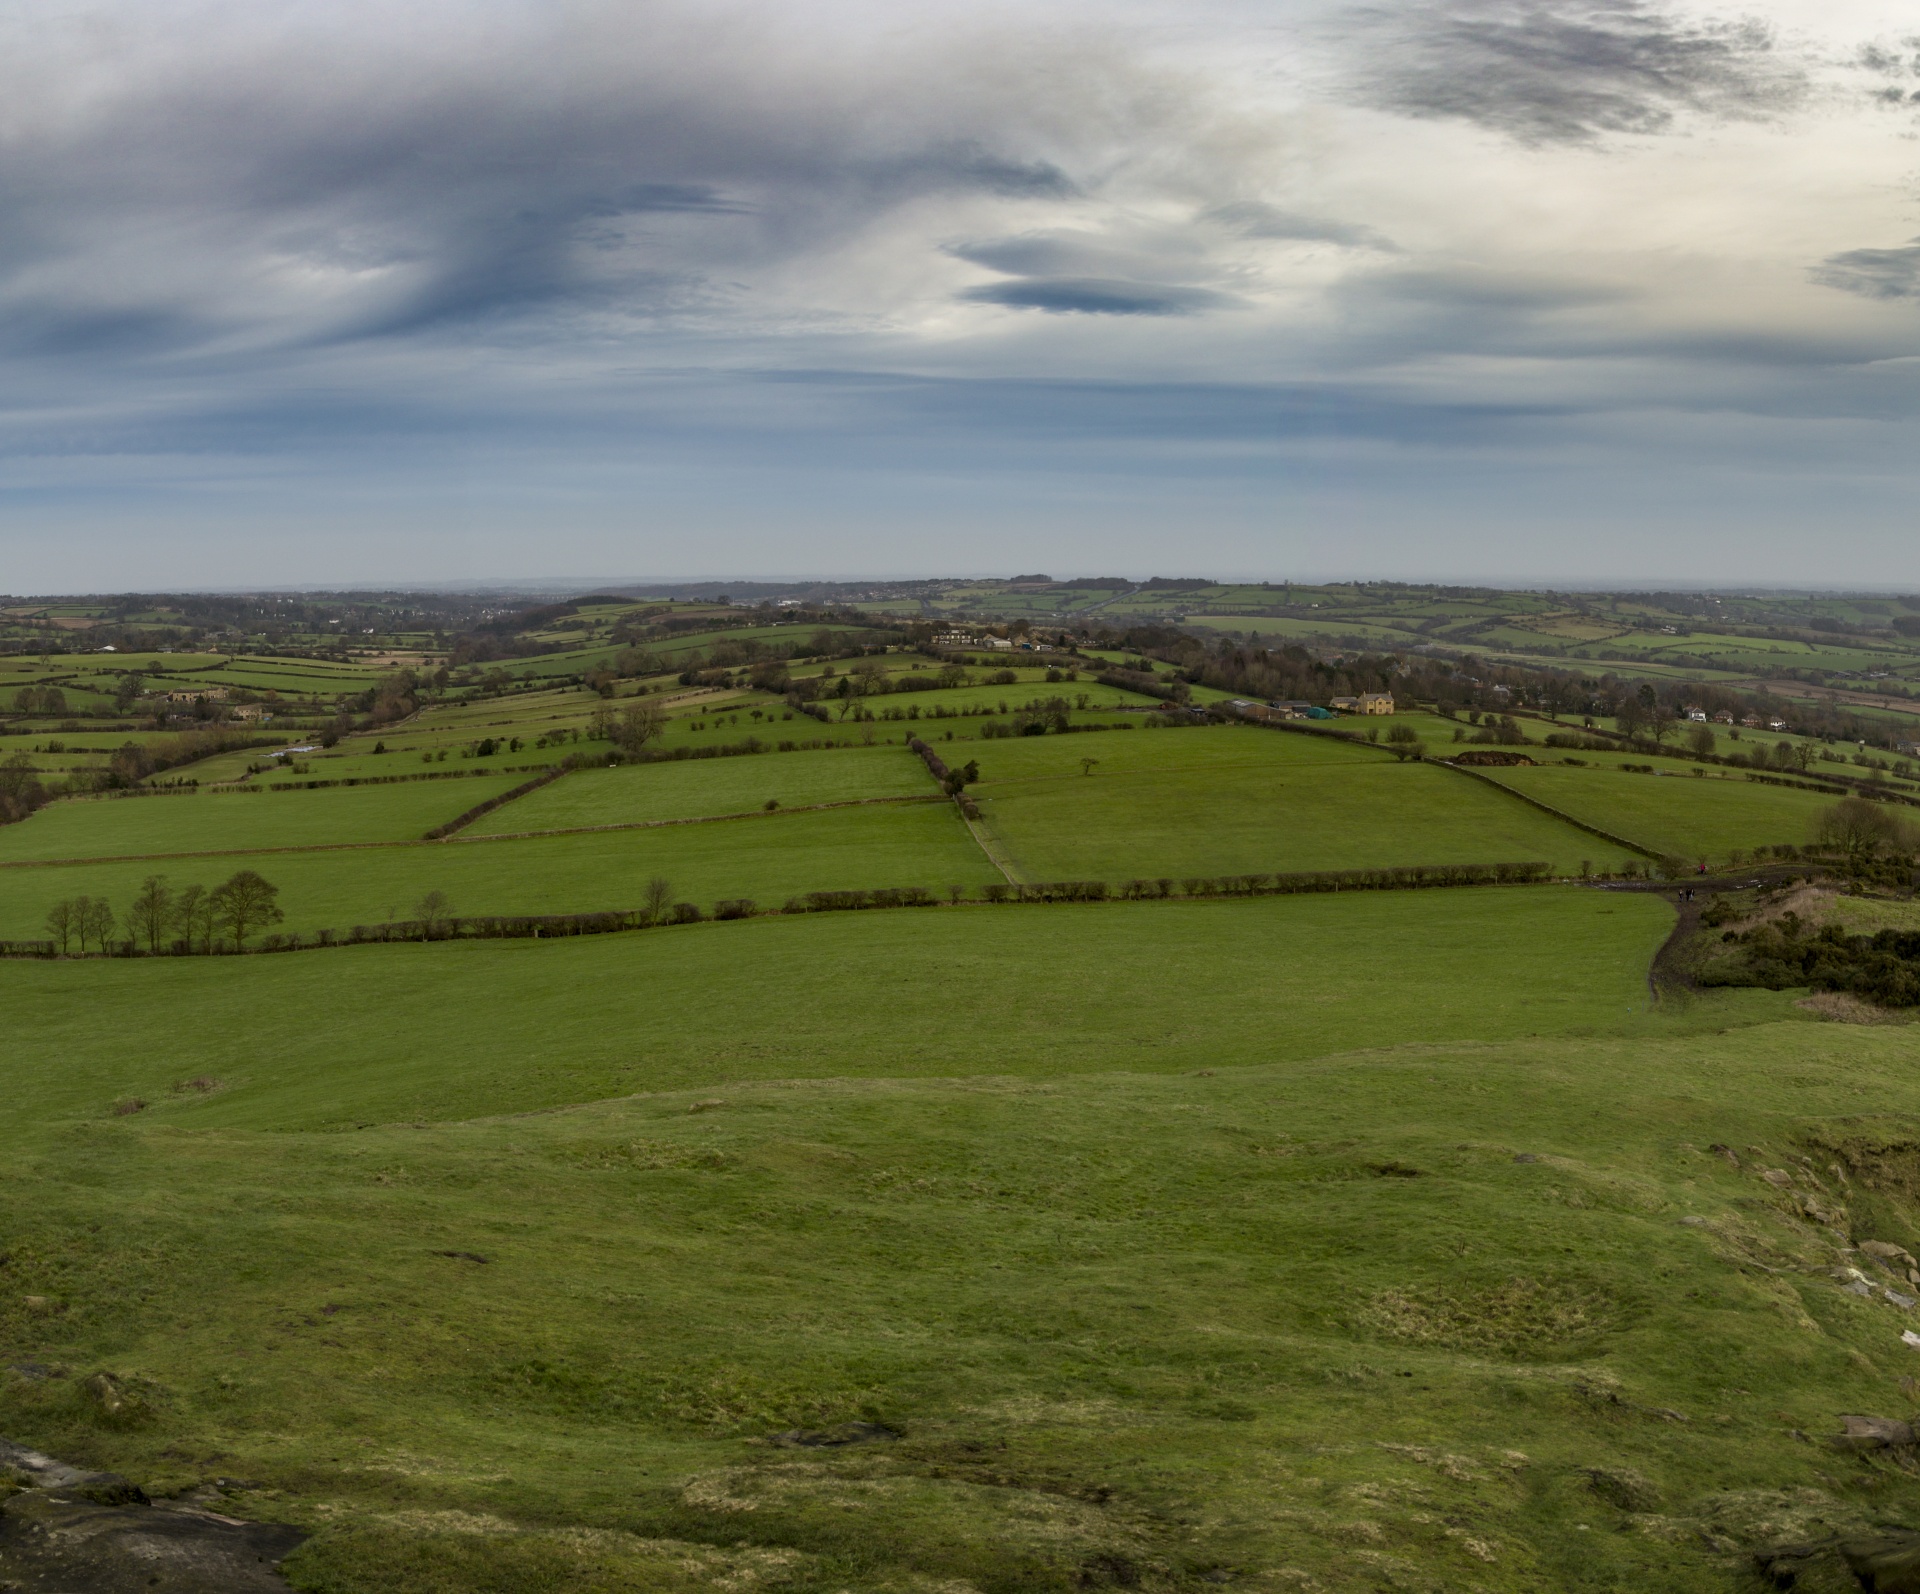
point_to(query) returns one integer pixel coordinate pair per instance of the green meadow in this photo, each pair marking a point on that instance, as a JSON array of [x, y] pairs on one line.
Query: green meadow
[[1172, 803], [1702, 816], [696, 788], [1350, 1242], [765, 857], [203, 821]]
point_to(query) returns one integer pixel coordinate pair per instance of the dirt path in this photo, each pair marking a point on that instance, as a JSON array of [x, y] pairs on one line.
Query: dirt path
[[1671, 971]]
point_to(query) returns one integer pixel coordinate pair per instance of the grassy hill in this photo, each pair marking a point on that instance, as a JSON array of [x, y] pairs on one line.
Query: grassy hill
[[1365, 1240]]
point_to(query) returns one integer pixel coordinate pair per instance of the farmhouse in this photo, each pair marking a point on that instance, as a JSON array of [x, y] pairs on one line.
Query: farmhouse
[[1365, 703]]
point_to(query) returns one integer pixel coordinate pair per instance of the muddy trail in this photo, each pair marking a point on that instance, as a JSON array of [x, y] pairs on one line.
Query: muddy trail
[[1671, 971]]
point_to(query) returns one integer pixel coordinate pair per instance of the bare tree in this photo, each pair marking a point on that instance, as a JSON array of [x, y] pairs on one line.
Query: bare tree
[[244, 903], [658, 898], [60, 924], [1858, 829], [639, 725], [434, 912], [193, 917], [152, 912], [94, 920]]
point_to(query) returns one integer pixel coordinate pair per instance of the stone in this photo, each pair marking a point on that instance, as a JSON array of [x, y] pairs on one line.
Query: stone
[[1886, 1252], [58, 1541], [1887, 1565], [1779, 1178], [1872, 1433]]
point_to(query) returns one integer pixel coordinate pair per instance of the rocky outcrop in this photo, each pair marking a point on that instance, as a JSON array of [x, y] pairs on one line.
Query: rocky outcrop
[[64, 1530]]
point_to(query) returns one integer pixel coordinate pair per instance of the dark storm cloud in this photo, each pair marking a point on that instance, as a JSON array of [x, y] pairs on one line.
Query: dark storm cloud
[[1874, 273], [1567, 71], [1099, 296]]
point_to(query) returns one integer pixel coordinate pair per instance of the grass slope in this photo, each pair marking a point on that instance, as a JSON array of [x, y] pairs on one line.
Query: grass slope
[[1286, 1323], [455, 1029]]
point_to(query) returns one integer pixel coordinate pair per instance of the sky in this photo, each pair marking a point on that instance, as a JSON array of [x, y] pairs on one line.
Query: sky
[[1607, 292]]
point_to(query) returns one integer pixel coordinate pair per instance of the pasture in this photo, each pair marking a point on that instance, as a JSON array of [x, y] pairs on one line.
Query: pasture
[[1357, 1241], [767, 857], [213, 821], [700, 788], [1191, 802], [1704, 816]]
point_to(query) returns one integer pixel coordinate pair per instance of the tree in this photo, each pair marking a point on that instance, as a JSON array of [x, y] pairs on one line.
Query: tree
[[60, 924], [152, 912], [1700, 739], [92, 921], [1086, 765], [244, 903], [20, 789], [1403, 741], [434, 911], [193, 917], [639, 725], [1858, 830], [658, 898]]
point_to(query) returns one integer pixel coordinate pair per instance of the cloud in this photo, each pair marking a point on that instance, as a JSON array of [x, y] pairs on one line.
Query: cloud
[[1567, 71], [1873, 273], [1100, 296], [1252, 219], [347, 172]]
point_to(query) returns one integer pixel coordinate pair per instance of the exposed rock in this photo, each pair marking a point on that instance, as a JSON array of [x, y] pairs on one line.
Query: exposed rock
[[1881, 1563], [1777, 1177], [1886, 1565], [1888, 1255], [1873, 1433], [73, 1532]]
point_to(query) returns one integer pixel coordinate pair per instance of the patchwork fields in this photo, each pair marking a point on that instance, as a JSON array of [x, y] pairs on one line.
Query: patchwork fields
[[962, 1239]]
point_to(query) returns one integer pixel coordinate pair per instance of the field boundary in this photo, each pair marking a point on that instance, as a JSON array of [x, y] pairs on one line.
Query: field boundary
[[1548, 808], [480, 810], [509, 927], [410, 841], [702, 819]]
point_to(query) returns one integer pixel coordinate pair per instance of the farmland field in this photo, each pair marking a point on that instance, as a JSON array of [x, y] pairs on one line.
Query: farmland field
[[107, 827], [1352, 1240], [1276, 802], [1693, 818], [702, 787], [765, 857]]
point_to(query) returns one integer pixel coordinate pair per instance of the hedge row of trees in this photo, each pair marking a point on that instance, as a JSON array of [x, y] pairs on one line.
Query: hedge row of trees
[[162, 919]]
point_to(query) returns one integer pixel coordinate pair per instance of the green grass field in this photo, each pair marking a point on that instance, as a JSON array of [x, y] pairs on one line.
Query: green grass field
[[708, 786], [1067, 990], [1339, 1264], [1180, 803], [1693, 817], [107, 827], [767, 858], [1349, 1243]]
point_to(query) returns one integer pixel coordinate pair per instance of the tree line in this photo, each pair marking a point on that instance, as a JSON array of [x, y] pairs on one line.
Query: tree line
[[163, 918]]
